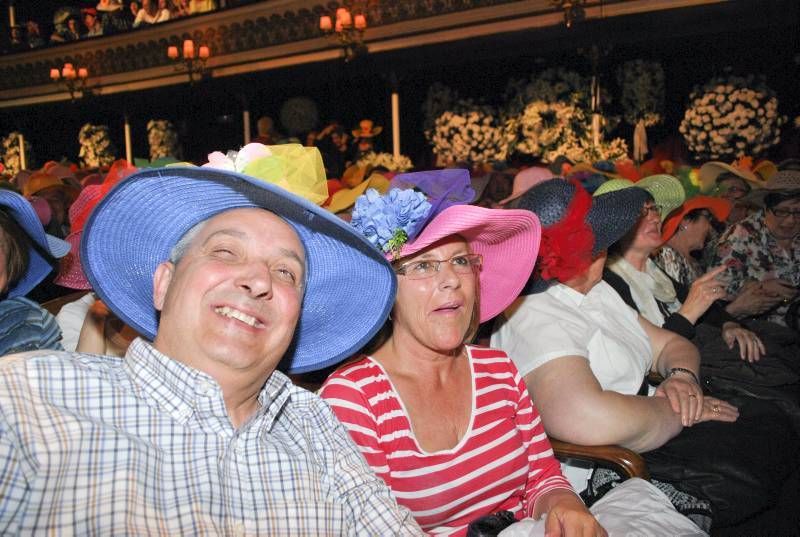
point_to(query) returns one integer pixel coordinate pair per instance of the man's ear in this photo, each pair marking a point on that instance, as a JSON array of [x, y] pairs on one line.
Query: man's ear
[[161, 280]]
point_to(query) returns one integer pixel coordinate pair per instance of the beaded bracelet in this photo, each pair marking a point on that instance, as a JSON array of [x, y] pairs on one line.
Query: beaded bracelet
[[691, 373]]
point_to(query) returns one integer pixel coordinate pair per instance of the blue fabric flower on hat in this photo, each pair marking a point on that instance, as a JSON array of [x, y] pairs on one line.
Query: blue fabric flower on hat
[[389, 221]]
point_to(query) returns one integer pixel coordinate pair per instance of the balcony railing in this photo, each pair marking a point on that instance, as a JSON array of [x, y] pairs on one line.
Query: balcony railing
[[272, 34]]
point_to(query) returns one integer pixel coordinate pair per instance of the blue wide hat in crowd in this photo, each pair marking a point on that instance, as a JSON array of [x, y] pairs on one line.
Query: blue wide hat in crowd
[[24, 214], [350, 287]]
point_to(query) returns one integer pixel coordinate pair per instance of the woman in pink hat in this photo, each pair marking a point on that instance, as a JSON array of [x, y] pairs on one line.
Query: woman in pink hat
[[449, 426]]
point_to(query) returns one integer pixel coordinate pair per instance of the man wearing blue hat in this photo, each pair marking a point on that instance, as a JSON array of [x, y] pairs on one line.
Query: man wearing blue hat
[[198, 433]]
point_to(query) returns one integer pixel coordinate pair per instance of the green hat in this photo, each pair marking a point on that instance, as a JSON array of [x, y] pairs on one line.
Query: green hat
[[666, 190]]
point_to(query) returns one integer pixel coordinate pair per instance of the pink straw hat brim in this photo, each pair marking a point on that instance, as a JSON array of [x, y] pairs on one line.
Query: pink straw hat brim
[[508, 240]]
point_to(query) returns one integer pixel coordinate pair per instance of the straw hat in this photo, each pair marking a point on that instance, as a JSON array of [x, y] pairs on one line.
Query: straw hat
[[719, 207], [366, 129], [783, 182], [504, 237], [526, 179], [134, 227], [710, 171], [577, 226], [23, 213], [666, 190]]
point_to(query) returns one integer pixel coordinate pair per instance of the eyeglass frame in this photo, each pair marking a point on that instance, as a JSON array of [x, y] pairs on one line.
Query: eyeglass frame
[[786, 213], [647, 209], [402, 270]]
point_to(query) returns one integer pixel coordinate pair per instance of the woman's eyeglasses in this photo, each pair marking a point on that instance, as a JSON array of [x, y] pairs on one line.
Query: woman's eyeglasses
[[651, 209], [783, 214], [425, 268]]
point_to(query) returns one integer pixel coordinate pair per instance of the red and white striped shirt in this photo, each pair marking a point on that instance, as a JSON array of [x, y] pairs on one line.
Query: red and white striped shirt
[[503, 462]]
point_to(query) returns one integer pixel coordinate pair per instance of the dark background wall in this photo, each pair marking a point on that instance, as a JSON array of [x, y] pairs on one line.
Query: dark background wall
[[693, 45]]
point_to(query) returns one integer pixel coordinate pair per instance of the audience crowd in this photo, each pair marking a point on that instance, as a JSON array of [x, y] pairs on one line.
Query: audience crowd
[[105, 18], [452, 324]]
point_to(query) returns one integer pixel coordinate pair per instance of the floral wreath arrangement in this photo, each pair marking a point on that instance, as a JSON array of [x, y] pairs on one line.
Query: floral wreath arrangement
[[549, 130], [470, 133], [387, 161], [438, 100], [642, 92], [731, 116], [163, 139], [11, 154], [97, 150]]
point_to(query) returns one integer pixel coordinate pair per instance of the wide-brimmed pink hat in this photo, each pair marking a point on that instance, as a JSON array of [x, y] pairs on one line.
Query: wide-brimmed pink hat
[[525, 180], [407, 220], [70, 273], [505, 238]]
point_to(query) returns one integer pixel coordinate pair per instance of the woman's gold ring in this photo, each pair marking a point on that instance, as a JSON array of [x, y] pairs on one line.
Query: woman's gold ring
[[715, 409], [715, 290]]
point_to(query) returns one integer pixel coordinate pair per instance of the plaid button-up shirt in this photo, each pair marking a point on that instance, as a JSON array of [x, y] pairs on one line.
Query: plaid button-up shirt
[[95, 445]]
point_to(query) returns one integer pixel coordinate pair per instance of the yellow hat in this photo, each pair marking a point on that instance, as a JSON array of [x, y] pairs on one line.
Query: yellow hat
[[346, 197]]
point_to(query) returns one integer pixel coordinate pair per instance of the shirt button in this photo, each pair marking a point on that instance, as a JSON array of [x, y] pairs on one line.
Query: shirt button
[[205, 387], [238, 529]]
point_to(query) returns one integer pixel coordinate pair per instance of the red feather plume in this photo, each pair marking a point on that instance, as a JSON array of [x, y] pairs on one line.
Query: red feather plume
[[566, 247]]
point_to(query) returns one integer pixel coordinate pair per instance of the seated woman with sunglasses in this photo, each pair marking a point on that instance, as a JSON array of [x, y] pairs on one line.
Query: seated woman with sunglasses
[[763, 252], [450, 426]]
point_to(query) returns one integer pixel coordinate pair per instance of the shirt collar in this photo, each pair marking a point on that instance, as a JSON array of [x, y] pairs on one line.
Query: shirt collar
[[181, 390], [564, 293]]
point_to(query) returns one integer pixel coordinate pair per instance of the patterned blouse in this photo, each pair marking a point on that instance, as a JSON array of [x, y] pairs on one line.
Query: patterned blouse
[[678, 268], [750, 252]]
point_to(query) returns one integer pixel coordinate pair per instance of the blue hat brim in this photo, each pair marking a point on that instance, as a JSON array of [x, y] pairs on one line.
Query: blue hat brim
[[350, 287], [24, 214]]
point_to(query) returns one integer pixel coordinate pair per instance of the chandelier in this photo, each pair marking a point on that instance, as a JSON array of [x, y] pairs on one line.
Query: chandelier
[[191, 60], [347, 28], [573, 10], [73, 79]]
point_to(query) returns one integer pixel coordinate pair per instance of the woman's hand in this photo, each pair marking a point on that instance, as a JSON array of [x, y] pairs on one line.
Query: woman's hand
[[751, 348], [718, 410], [684, 396], [753, 299], [704, 291], [568, 517]]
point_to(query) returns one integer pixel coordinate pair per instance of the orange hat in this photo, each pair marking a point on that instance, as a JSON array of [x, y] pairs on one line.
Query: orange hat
[[719, 207], [41, 180]]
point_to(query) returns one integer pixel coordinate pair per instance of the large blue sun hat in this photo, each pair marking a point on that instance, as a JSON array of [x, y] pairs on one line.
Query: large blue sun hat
[[350, 287]]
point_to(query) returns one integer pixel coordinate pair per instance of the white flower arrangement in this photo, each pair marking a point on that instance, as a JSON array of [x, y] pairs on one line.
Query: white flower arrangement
[[97, 150], [438, 100], [543, 127], [386, 161], [11, 154], [642, 86], [470, 133], [163, 139], [732, 116]]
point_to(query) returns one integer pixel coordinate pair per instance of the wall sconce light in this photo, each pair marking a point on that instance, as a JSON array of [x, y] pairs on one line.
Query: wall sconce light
[[193, 61], [73, 79], [347, 28]]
